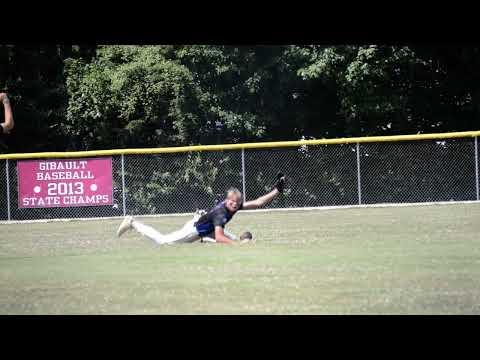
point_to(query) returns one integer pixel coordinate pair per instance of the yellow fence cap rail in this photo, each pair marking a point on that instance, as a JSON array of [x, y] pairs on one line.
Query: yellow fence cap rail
[[258, 145]]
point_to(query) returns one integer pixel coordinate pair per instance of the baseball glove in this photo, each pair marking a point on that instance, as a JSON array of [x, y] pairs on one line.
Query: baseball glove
[[280, 184]]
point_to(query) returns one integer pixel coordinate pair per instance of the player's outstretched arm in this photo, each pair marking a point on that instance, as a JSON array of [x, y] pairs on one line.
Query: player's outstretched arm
[[8, 124], [265, 199], [220, 236]]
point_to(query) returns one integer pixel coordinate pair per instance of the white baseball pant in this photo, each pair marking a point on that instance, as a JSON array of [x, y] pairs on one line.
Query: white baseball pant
[[187, 234]]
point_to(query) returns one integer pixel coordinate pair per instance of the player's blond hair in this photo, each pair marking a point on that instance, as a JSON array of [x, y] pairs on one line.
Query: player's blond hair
[[234, 191]]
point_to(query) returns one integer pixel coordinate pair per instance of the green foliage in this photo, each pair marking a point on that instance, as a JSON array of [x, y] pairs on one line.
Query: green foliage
[[84, 97], [33, 77], [397, 89], [130, 96]]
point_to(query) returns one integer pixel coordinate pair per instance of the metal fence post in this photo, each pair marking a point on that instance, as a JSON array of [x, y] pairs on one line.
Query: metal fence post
[[359, 179], [123, 186], [476, 166], [243, 175], [7, 175]]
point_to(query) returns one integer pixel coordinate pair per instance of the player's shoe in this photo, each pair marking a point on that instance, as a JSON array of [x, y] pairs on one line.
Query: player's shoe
[[125, 225]]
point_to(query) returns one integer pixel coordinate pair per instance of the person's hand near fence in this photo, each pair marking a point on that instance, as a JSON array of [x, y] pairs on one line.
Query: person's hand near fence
[[8, 124]]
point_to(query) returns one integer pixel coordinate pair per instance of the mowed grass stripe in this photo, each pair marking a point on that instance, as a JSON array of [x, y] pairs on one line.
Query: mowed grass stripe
[[404, 260]]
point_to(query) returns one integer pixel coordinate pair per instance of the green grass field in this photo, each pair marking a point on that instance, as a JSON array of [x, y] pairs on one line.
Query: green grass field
[[404, 260]]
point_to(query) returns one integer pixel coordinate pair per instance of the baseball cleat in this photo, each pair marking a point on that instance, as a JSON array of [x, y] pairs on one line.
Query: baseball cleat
[[125, 225]]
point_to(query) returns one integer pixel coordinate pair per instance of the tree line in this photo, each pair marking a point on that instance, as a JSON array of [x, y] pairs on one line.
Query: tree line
[[86, 97]]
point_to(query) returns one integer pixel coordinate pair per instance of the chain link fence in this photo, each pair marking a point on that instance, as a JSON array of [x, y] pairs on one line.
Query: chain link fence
[[418, 171], [3, 191], [322, 175], [477, 167], [317, 175], [179, 182]]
